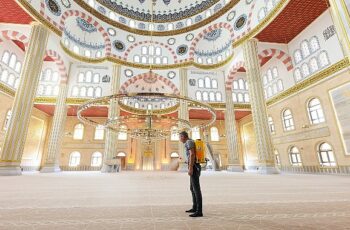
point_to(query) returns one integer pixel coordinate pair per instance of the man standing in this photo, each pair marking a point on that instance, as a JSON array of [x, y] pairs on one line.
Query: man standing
[[194, 171]]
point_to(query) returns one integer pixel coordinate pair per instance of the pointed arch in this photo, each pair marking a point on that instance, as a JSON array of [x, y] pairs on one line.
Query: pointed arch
[[280, 55], [232, 73], [60, 64]]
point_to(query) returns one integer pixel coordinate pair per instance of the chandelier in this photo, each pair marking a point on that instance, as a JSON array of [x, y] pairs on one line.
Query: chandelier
[[147, 124]]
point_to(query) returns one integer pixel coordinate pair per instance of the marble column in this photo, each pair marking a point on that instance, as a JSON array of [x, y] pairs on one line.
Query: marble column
[[183, 113], [341, 21], [234, 163], [111, 139], [16, 134], [256, 92], [57, 132]]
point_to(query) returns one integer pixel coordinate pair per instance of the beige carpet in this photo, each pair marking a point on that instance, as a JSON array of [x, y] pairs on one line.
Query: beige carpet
[[157, 200]]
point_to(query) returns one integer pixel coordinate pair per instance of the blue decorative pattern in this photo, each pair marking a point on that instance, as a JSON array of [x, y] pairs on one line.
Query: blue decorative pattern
[[158, 17], [85, 26], [215, 52], [83, 44], [213, 35]]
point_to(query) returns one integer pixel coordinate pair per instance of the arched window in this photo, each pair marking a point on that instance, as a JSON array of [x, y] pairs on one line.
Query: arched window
[[88, 76], [326, 155], [205, 96], [18, 67], [212, 96], [48, 75], [121, 154], [314, 44], [98, 54], [288, 122], [274, 89], [218, 96], [294, 155], [270, 4], [265, 80], [280, 85], [144, 50], [306, 70], [200, 83], [137, 105], [7, 119], [271, 125], [275, 72], [174, 134], [96, 78], [214, 84], [189, 22], [214, 134], [81, 77], [41, 90], [74, 159], [269, 75], [315, 111], [13, 61], [269, 91], [234, 97], [149, 106], [241, 84], [90, 91], [298, 57], [207, 83], [209, 60], [96, 159], [98, 92], [132, 23], [76, 49], [99, 133], [235, 85], [78, 132], [240, 97], [137, 59], [87, 53], [246, 85], [196, 134], [83, 91], [6, 57], [55, 76], [305, 49], [11, 80], [323, 59], [123, 135], [297, 75], [158, 51], [75, 91], [262, 13], [144, 59], [170, 26], [4, 76], [165, 60], [246, 98], [313, 65], [199, 60], [16, 83], [198, 96]]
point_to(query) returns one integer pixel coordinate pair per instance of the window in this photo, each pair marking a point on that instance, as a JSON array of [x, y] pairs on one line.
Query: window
[[315, 111], [13, 61], [297, 74], [81, 77], [214, 134], [76, 49], [174, 134], [11, 80], [305, 49], [199, 60], [326, 155], [96, 78], [262, 13], [83, 91], [174, 155], [207, 83], [99, 132], [235, 85], [313, 65], [144, 50], [56, 90], [280, 85], [90, 91], [240, 97], [88, 76], [294, 155], [198, 96], [87, 53], [137, 59], [98, 92], [75, 91], [137, 105], [6, 57], [205, 96], [211, 96], [40, 90], [246, 97], [218, 96], [196, 134], [7, 120], [121, 154], [269, 75], [200, 83], [170, 26], [123, 135], [297, 56], [78, 132], [271, 125], [323, 59], [275, 72], [18, 67], [306, 70], [241, 84], [265, 80], [96, 159], [288, 122], [74, 159], [4, 76], [214, 84], [314, 44], [55, 77], [234, 97]]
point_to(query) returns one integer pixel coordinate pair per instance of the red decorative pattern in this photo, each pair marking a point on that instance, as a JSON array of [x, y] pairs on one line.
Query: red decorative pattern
[[11, 12], [231, 76], [146, 75], [208, 30], [279, 54], [59, 62], [15, 35], [128, 51]]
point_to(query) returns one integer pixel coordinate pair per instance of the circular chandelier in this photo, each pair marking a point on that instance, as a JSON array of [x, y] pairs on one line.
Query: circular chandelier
[[147, 124]]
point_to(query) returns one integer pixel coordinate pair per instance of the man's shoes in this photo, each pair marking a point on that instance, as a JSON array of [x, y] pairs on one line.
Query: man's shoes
[[191, 210], [196, 214]]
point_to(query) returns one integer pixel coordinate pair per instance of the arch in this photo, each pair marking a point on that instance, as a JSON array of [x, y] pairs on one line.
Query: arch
[[249, 22], [15, 35], [131, 47], [143, 75], [232, 73], [59, 62], [91, 20], [279, 54], [208, 30]]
